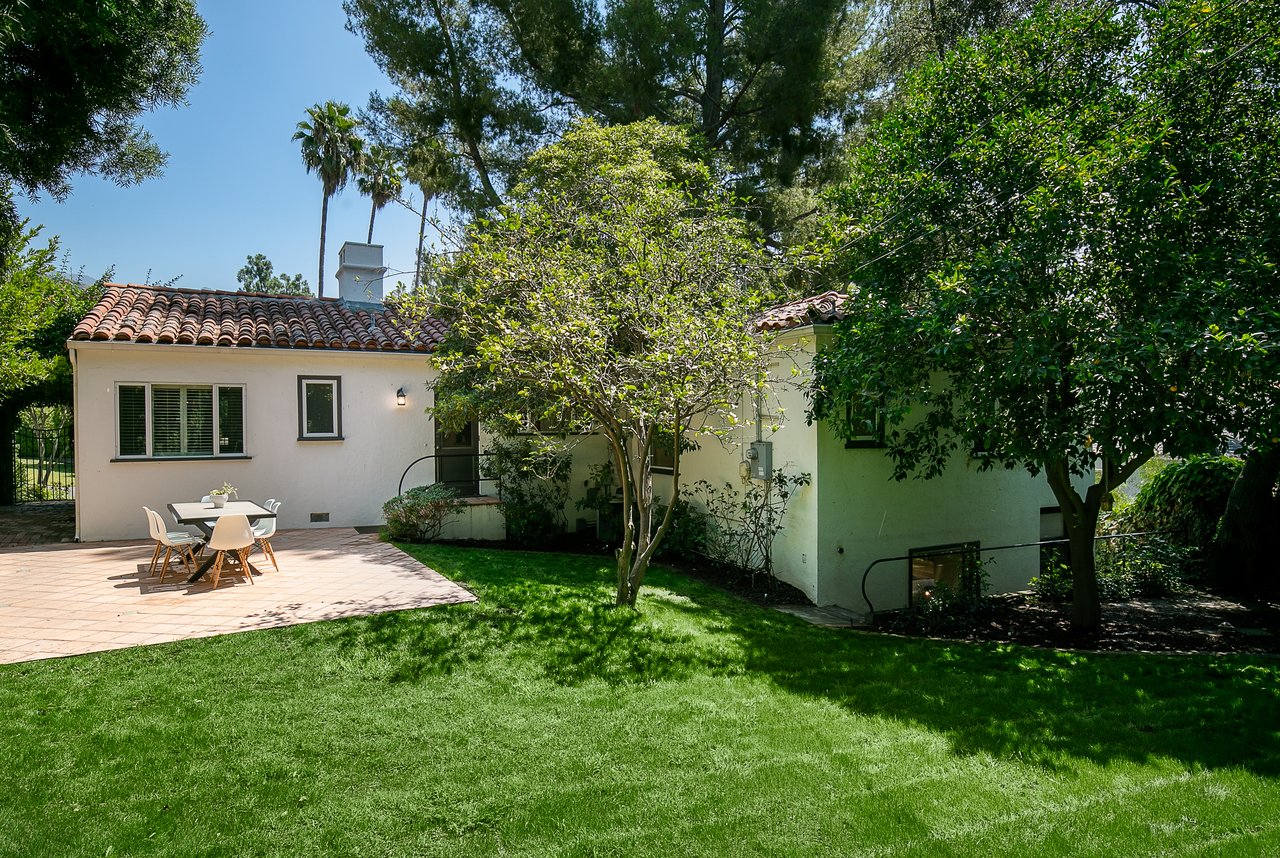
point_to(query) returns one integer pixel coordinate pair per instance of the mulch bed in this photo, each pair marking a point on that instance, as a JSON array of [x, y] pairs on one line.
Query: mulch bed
[[1191, 622]]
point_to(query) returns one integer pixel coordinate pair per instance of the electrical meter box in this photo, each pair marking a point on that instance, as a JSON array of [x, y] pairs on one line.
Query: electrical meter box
[[760, 455]]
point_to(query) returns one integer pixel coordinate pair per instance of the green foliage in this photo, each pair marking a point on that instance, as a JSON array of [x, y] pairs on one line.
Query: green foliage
[[420, 514], [760, 81], [380, 179], [39, 307], [332, 148], [1128, 567], [688, 536], [258, 277], [1186, 501], [533, 482], [614, 294], [75, 77], [1075, 273], [743, 521]]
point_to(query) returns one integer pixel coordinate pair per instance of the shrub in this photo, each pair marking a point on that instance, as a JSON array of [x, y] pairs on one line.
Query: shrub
[[533, 482], [741, 525], [420, 514], [687, 535], [1128, 567], [1185, 500]]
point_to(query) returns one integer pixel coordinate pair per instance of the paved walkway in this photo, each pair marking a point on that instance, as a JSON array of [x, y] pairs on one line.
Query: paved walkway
[[58, 600], [38, 523]]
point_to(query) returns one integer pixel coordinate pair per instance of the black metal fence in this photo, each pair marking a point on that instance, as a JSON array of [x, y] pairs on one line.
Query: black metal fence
[[44, 464]]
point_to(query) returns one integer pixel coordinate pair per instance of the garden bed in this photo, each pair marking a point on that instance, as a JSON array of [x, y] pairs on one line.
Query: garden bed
[[1190, 622]]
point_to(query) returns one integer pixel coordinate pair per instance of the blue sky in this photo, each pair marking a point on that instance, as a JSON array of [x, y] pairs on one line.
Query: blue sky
[[235, 184]]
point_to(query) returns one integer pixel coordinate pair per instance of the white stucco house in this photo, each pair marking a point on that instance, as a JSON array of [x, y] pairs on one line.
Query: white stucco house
[[320, 403]]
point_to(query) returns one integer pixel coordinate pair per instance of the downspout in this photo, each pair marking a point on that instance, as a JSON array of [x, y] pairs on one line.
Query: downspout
[[75, 429]]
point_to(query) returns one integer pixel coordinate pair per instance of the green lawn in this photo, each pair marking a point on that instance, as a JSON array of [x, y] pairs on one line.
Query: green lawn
[[538, 722]]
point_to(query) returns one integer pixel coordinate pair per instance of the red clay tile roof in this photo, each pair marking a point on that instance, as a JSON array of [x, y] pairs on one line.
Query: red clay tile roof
[[818, 309], [150, 314]]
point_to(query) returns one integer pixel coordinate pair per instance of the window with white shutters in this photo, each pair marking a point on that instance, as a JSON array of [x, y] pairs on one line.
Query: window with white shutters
[[179, 421]]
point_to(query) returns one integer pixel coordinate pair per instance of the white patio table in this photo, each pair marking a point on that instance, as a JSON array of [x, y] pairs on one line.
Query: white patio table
[[205, 515]]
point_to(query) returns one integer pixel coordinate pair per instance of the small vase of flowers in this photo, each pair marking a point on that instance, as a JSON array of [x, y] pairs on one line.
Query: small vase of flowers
[[222, 494]]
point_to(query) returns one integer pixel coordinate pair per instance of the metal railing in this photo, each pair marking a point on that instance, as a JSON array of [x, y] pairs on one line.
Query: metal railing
[[44, 464], [478, 479], [979, 551]]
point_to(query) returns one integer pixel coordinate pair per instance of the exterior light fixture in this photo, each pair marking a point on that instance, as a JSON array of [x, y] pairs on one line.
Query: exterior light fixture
[[400, 396]]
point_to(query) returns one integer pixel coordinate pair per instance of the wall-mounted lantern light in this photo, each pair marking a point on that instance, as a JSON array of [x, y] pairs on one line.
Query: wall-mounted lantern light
[[400, 396]]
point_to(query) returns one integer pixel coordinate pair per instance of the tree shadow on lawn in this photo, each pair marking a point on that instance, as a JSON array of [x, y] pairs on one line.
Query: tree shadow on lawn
[[1041, 706]]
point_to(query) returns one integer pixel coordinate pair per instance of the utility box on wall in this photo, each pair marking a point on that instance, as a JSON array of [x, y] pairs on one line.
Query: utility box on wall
[[760, 455]]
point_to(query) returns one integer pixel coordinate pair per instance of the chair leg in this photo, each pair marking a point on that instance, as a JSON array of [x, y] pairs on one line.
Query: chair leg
[[217, 568], [188, 559], [244, 564], [164, 564], [270, 552], [155, 555]]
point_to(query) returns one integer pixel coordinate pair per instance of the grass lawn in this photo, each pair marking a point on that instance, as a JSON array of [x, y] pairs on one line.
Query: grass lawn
[[538, 722]]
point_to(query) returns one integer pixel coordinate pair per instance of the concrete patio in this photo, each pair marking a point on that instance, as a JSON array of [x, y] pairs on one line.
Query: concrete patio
[[59, 600]]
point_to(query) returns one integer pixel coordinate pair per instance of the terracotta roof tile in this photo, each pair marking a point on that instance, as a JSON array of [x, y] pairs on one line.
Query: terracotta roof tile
[[151, 314], [815, 310]]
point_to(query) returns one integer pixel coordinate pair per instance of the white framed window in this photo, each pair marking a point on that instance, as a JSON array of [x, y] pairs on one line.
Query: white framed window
[[179, 421], [319, 408]]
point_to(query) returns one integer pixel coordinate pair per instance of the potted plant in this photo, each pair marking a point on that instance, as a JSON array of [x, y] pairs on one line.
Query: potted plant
[[222, 494]]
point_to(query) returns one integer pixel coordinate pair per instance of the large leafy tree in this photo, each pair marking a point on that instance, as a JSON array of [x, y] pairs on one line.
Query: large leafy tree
[[333, 149], [258, 276], [76, 76], [1063, 244], [39, 307], [380, 179], [758, 79], [613, 292]]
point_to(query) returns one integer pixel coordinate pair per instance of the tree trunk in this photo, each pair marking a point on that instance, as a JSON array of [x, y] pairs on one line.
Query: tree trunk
[[324, 224], [373, 211], [1241, 546], [1080, 515], [422, 231], [713, 92]]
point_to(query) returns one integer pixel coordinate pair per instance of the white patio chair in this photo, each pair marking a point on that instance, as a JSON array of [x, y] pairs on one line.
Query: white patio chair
[[232, 535], [181, 542], [264, 530]]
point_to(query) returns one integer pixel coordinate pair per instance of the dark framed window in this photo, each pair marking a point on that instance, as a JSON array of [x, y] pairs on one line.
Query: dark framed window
[[662, 455], [867, 424], [179, 421], [319, 408], [939, 566]]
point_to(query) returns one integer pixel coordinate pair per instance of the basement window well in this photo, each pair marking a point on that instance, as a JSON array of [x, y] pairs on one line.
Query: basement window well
[[938, 566]]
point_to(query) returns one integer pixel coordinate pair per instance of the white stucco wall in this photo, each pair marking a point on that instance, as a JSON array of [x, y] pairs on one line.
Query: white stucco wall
[[854, 512], [349, 479]]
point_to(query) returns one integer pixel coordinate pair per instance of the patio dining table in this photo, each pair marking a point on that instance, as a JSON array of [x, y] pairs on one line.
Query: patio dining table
[[206, 515]]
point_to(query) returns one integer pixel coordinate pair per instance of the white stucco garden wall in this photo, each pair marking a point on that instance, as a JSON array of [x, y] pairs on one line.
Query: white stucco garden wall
[[348, 479]]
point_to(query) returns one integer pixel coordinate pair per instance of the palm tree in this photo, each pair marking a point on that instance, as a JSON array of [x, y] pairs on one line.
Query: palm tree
[[331, 147], [427, 166], [380, 180]]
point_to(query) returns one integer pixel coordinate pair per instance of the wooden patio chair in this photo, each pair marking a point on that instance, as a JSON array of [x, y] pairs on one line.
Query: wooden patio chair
[[264, 530], [179, 542], [232, 535]]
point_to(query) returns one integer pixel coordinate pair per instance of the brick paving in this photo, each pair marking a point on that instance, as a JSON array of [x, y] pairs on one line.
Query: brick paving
[[37, 523], [59, 600]]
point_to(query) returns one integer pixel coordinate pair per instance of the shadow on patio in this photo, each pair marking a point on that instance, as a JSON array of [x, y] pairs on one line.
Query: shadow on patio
[[58, 600]]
